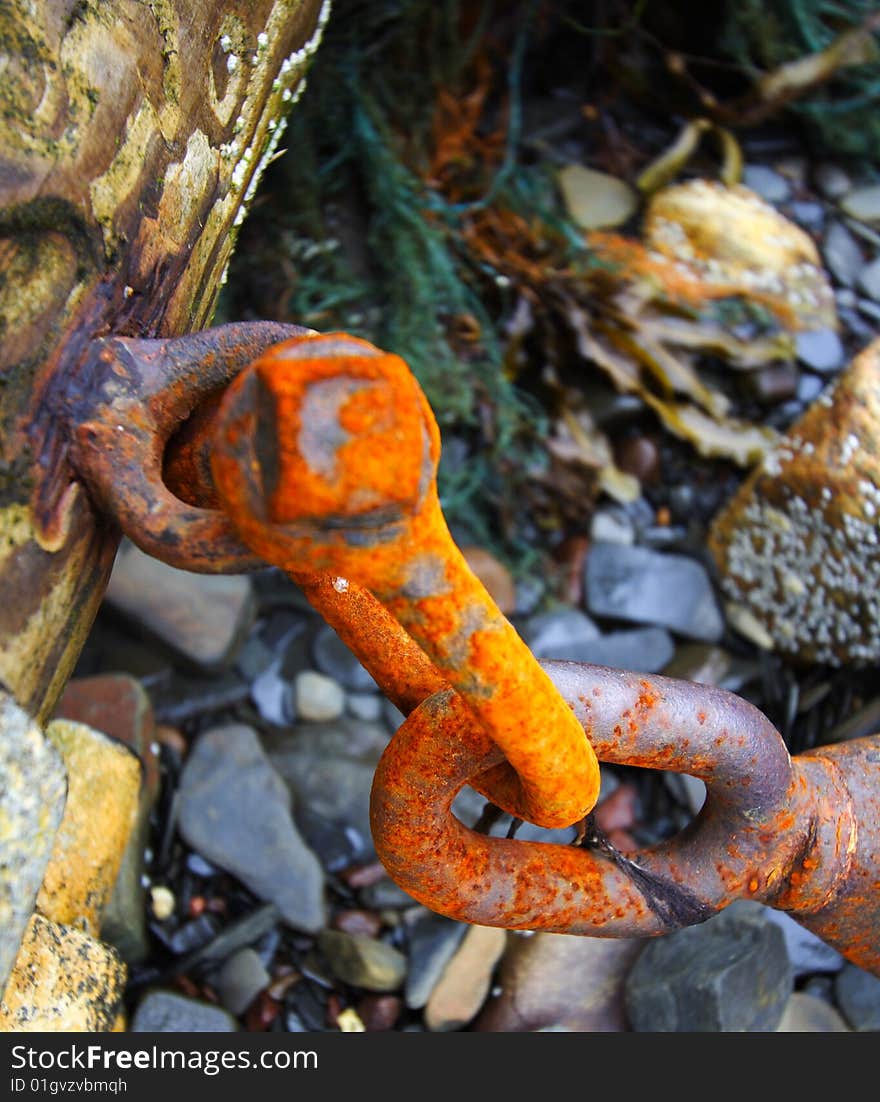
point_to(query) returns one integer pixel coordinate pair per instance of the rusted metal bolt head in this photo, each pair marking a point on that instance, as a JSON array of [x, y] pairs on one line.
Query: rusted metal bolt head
[[326, 433]]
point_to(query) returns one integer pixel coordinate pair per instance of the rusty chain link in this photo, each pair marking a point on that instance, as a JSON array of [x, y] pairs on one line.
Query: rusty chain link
[[319, 454]]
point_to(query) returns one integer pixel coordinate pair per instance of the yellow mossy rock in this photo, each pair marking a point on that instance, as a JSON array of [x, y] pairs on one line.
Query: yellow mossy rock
[[732, 238], [104, 779], [63, 981]]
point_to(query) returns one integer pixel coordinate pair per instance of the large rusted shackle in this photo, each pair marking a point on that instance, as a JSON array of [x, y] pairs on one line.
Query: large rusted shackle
[[799, 834], [324, 455]]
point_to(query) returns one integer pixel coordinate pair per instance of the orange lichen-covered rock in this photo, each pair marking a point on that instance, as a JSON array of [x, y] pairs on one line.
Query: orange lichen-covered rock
[[104, 779], [703, 241], [730, 237], [63, 981], [798, 544]]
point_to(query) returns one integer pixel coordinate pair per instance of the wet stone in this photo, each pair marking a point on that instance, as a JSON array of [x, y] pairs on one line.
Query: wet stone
[[202, 618], [365, 706], [274, 696], [335, 845], [831, 180], [612, 526], [644, 650], [862, 203], [550, 981], [806, 1014], [842, 254], [319, 698], [728, 975], [559, 633], [432, 941], [809, 387], [858, 996], [242, 977], [869, 279], [333, 657], [774, 383], [807, 952], [644, 586], [379, 1013], [329, 768], [770, 185], [169, 1012], [385, 895], [464, 984], [808, 214], [820, 350], [363, 961], [235, 809]]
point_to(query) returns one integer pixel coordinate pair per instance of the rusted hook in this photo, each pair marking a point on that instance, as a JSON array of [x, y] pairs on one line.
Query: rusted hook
[[801, 835], [325, 456]]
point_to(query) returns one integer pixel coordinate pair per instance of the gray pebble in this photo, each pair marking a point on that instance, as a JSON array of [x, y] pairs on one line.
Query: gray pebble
[[644, 650], [365, 706], [820, 350], [858, 996], [843, 255], [769, 184], [831, 180], [808, 214], [863, 203], [559, 633], [329, 768], [432, 941], [810, 387], [235, 810], [869, 279], [610, 525], [242, 977], [652, 587], [807, 952], [168, 1012], [729, 975], [334, 658], [273, 695]]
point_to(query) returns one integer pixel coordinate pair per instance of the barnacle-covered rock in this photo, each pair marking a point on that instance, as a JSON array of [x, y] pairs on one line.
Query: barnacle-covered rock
[[798, 543]]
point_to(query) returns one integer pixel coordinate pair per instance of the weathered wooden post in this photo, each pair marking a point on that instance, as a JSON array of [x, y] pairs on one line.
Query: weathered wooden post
[[133, 134]]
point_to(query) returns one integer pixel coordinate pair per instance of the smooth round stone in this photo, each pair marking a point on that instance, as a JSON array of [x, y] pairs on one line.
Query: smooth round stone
[[319, 698], [820, 350], [768, 183], [168, 1012], [863, 203]]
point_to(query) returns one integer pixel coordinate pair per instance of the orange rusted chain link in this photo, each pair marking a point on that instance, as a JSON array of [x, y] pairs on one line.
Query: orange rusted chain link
[[324, 451], [324, 457], [800, 835]]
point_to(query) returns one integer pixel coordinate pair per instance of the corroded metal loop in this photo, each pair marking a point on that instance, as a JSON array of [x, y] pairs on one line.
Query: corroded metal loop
[[324, 456], [773, 829], [131, 397]]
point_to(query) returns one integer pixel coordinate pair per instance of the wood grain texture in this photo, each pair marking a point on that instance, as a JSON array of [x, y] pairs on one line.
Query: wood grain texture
[[133, 136]]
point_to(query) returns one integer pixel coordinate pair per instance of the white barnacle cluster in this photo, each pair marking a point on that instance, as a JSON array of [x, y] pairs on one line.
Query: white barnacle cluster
[[249, 167], [811, 572]]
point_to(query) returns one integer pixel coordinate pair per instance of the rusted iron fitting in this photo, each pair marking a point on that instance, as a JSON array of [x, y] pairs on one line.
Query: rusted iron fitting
[[127, 400], [322, 455], [801, 835], [325, 456]]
